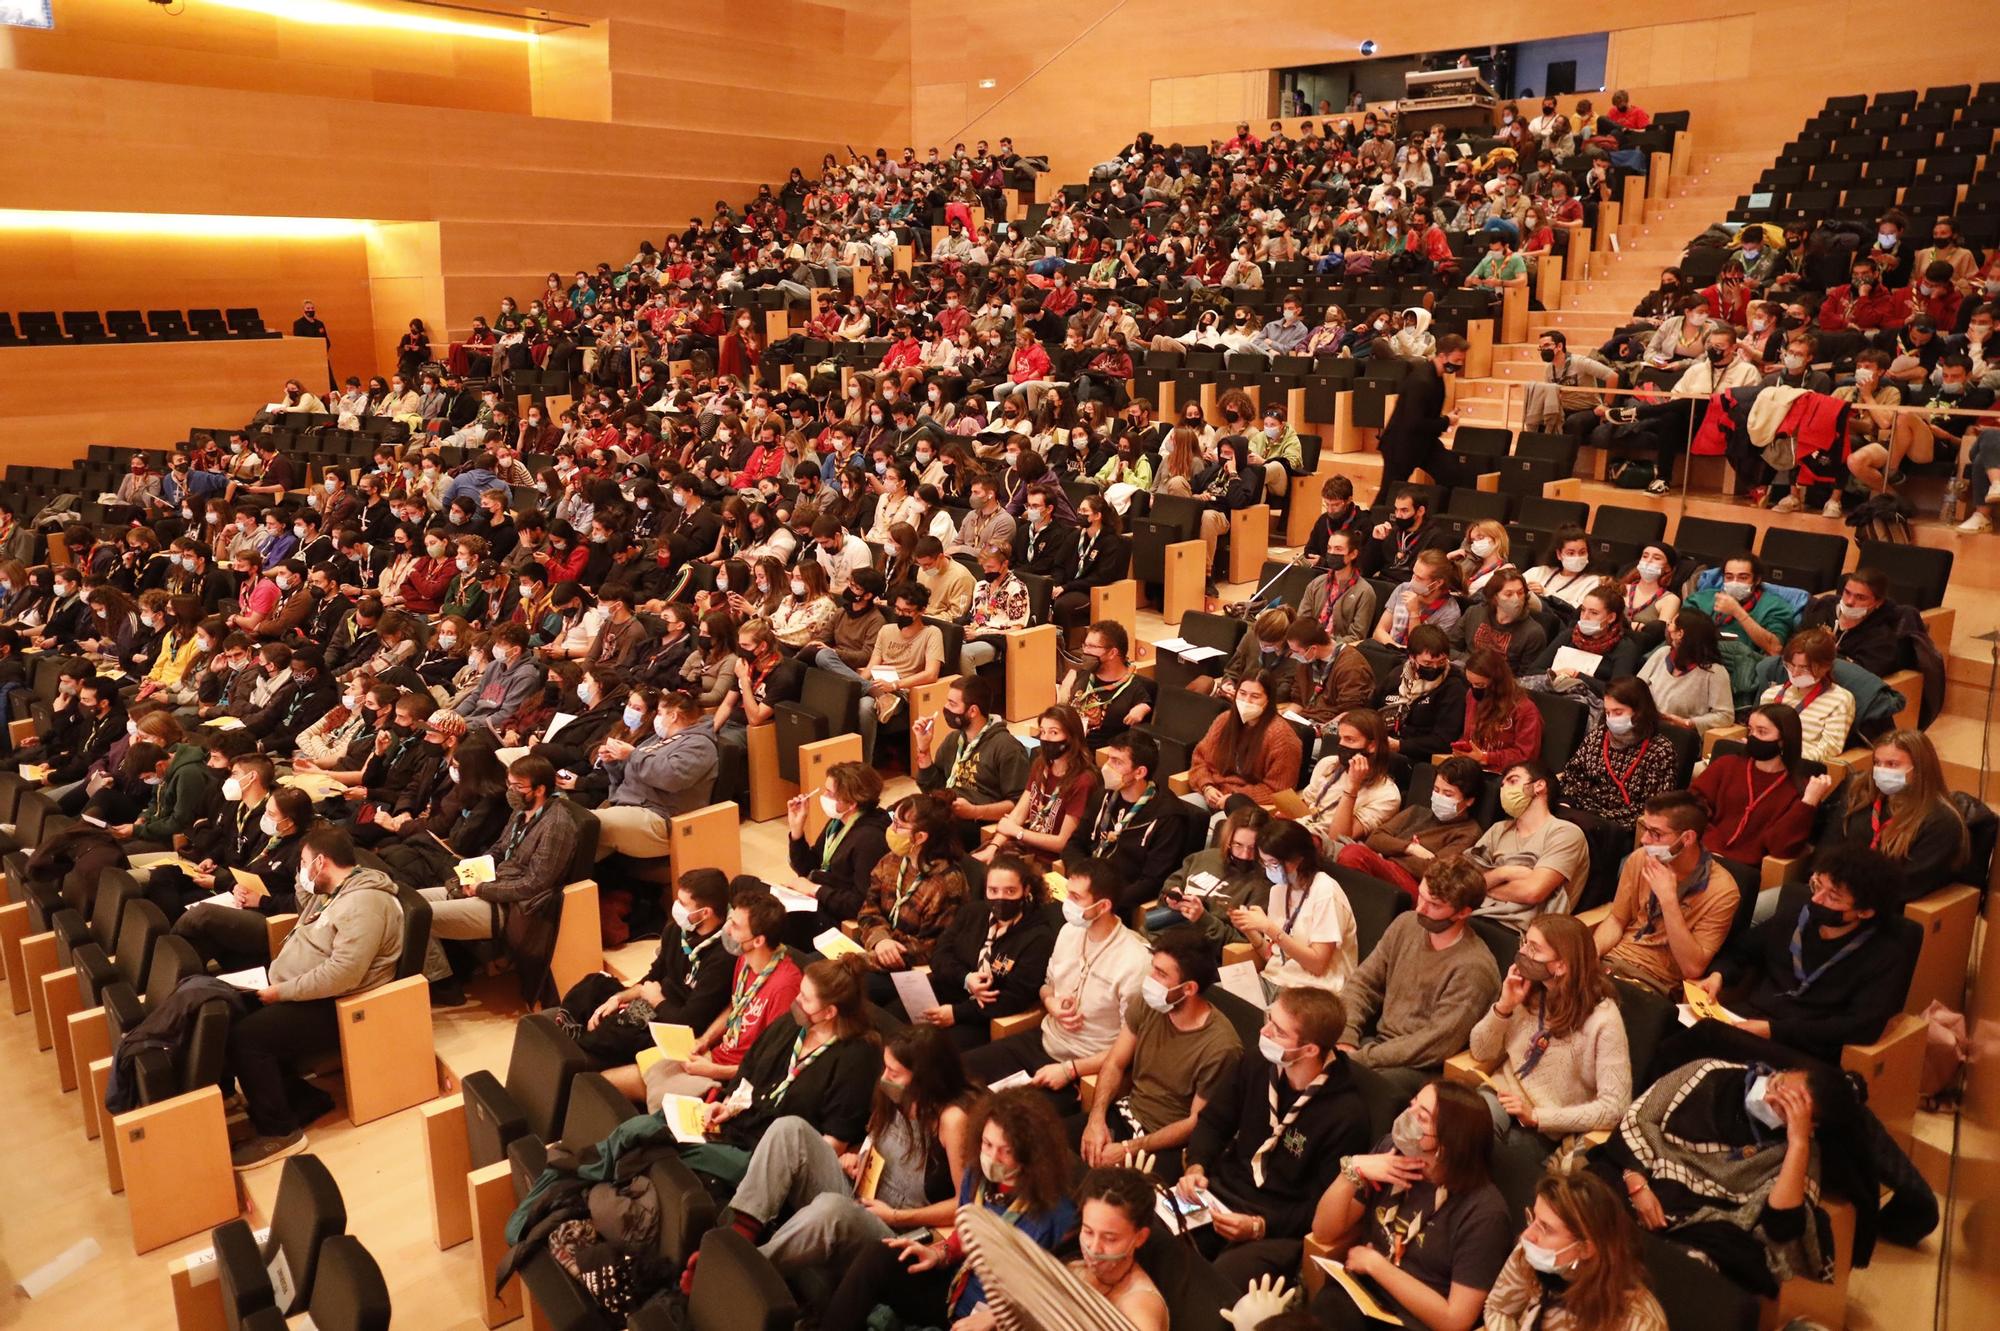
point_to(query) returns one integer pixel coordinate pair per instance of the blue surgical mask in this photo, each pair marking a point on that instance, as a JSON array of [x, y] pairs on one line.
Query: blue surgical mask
[[1276, 873], [632, 717], [1889, 780], [1618, 725]]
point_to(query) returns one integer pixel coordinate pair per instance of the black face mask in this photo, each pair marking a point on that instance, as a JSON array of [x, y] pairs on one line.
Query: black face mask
[[1403, 523], [1006, 908], [906, 621], [1760, 750], [1430, 672], [956, 720], [1825, 917], [1716, 355], [1478, 690], [1548, 355]]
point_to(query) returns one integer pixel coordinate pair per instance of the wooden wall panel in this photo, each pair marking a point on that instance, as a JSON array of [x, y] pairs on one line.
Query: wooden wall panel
[[54, 400], [95, 270]]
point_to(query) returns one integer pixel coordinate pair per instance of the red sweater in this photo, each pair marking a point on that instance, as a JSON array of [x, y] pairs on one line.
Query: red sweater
[[1780, 823], [1519, 740]]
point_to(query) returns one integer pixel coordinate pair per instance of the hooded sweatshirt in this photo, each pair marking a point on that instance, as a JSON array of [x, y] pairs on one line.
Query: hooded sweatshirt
[[181, 798], [344, 942]]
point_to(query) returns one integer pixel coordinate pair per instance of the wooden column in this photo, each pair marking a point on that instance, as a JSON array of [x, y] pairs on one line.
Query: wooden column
[[387, 1052], [1249, 542], [174, 1159], [768, 790], [1031, 670], [489, 1201]]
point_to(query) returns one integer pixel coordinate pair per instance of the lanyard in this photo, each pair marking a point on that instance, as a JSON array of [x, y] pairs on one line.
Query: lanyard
[[1798, 953], [1811, 694], [1278, 1125], [1083, 553], [830, 839], [1106, 838], [521, 831], [1634, 611], [1752, 796], [1305, 895], [797, 1065], [1336, 590], [1611, 769], [1876, 824], [1538, 1044], [741, 993]]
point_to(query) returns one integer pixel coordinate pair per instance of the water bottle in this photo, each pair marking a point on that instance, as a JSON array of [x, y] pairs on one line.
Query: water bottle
[[1954, 490]]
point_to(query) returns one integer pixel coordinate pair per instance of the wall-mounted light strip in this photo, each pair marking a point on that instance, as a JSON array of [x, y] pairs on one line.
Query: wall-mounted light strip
[[345, 14], [194, 226]]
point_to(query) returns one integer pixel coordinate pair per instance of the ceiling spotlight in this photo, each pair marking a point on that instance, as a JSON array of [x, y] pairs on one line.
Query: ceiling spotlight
[[989, 83], [1368, 47]]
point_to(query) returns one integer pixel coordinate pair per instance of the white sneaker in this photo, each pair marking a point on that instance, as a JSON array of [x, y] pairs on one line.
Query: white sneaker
[[1993, 493], [1978, 522], [1789, 504], [1833, 509]]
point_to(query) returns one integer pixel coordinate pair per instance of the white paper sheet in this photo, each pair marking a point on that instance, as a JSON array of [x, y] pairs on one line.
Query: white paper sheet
[[914, 988]]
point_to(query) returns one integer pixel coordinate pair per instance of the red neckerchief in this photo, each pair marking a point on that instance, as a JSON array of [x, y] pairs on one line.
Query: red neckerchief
[[1748, 606], [1614, 630], [1611, 769], [1753, 796]]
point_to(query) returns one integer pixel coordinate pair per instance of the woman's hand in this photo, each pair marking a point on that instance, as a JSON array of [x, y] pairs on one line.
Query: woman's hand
[[1522, 1111], [608, 1007], [1513, 991], [918, 1255], [889, 953], [1252, 919], [1191, 909], [940, 1016], [1644, 1204], [1390, 1169], [1363, 1260]]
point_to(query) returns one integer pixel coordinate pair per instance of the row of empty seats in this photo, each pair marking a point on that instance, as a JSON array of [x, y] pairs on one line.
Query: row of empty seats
[[42, 328]]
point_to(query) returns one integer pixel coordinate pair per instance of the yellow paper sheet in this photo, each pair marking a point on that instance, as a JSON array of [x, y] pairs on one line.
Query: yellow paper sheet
[[479, 869], [1703, 1006], [834, 943], [675, 1042], [1363, 1300], [872, 1165], [316, 784], [251, 882], [685, 1117], [224, 723], [36, 772], [153, 859]]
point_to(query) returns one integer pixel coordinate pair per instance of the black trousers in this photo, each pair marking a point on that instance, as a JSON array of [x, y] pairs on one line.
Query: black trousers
[[265, 1046], [879, 1276], [1019, 1053], [234, 939]]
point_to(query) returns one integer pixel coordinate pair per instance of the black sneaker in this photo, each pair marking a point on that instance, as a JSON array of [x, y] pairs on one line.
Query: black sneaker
[[448, 994], [263, 1150]]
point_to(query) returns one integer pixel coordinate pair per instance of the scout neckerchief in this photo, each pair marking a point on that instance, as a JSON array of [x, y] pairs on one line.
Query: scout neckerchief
[[1105, 838], [1538, 1043], [1799, 972], [801, 1059], [963, 765], [1700, 878], [985, 1194], [1611, 768], [836, 832], [744, 988], [1279, 1126], [1752, 796], [904, 871]]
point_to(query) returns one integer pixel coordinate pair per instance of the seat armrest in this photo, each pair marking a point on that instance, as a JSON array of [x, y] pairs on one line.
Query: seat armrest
[[1180, 783], [1464, 1069], [527, 1157], [122, 1007], [1235, 952], [1781, 869], [999, 1028], [1714, 733]]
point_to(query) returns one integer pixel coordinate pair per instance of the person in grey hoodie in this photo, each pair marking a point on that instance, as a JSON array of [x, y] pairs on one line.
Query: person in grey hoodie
[[348, 939], [669, 772], [513, 679]]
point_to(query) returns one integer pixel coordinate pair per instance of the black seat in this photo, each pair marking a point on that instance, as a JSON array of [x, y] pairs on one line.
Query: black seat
[[1636, 527], [737, 1289], [1375, 904], [1918, 574], [8, 336], [1198, 628], [1551, 514], [349, 1293], [128, 326], [42, 329], [84, 326], [142, 925], [1713, 542], [240, 1273], [1477, 505], [534, 1097], [1807, 560], [1180, 719], [1563, 720], [168, 325]]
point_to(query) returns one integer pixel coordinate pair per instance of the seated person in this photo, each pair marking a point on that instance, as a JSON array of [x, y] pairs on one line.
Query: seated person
[[1248, 750], [836, 867], [1262, 648], [1394, 545], [1502, 724], [347, 940], [1096, 969], [980, 769], [1500, 621], [1104, 689], [764, 981], [1418, 834], [1022, 1172], [1414, 999], [1062, 777], [1340, 601], [1686, 675], [1304, 929], [1557, 1033], [688, 984], [1577, 1266], [907, 648], [1867, 625], [1352, 790], [1566, 575], [1269, 1142], [914, 892], [669, 770], [1751, 621], [818, 1061], [1325, 679], [1825, 709], [994, 955], [1172, 1051], [1215, 881], [237, 935], [1903, 811], [999, 603], [1675, 903], [1425, 708], [522, 902], [1760, 801], [1622, 761], [1114, 1222], [1720, 1157], [1424, 600], [1531, 860], [1832, 975], [1433, 1175], [796, 1199], [1134, 822]]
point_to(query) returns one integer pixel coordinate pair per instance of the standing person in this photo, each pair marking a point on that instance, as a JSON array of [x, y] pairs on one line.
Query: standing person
[[309, 324], [1413, 436]]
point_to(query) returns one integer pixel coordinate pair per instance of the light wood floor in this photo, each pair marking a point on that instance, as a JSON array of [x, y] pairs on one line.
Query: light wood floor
[[53, 1192]]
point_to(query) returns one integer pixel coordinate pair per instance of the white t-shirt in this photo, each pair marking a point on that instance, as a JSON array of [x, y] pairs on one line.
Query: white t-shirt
[[1103, 977], [1324, 917]]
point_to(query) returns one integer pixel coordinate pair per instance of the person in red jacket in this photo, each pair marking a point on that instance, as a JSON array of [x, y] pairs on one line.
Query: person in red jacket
[[423, 590], [905, 352], [1932, 294], [741, 347], [1029, 364], [1759, 802], [766, 461], [1863, 304]]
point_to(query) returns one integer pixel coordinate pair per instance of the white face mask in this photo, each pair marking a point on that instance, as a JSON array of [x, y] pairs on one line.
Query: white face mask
[[1756, 1102], [660, 725], [1546, 1260], [1155, 994], [1618, 725], [1851, 614], [268, 824], [1801, 680], [1482, 547], [1443, 807], [1890, 780], [1651, 570], [1589, 628], [798, 586], [1575, 563], [1249, 710], [829, 806], [1736, 590], [232, 790]]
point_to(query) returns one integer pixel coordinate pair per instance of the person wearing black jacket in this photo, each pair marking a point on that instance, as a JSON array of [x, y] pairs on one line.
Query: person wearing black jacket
[[1135, 823], [993, 956], [305, 698], [819, 1062], [238, 936], [1269, 1142], [86, 726], [696, 526], [1041, 545], [1413, 436], [840, 861], [1424, 707], [68, 615], [1338, 512], [602, 690], [464, 817], [1393, 546], [688, 983], [330, 609], [1102, 556], [1867, 626]]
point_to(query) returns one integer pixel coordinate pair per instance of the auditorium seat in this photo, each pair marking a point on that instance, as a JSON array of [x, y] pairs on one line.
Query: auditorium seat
[[42, 329]]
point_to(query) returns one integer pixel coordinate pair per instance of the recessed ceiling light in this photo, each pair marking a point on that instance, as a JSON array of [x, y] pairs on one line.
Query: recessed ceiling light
[[989, 83]]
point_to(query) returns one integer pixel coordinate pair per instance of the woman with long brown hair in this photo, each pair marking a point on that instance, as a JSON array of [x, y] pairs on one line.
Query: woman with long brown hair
[[1577, 1266], [1061, 779], [1180, 463], [1431, 1176], [1502, 724], [1904, 811], [1556, 1031], [1248, 751]]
